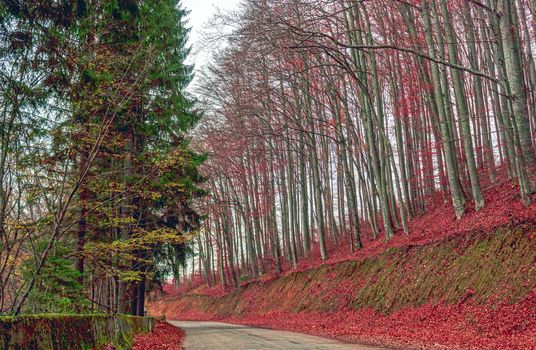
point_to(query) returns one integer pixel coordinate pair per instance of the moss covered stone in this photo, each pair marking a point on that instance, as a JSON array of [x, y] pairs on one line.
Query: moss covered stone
[[44, 332]]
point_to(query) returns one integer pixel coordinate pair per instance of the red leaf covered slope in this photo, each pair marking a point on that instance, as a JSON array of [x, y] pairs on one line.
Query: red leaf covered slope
[[453, 284]]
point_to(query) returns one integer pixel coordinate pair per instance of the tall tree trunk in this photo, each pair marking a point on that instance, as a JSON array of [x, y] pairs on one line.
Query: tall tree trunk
[[458, 202], [462, 109]]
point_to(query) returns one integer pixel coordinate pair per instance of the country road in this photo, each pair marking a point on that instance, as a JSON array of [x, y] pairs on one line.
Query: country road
[[216, 336]]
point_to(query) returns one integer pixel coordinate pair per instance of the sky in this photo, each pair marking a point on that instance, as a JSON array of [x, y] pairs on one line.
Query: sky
[[201, 11]]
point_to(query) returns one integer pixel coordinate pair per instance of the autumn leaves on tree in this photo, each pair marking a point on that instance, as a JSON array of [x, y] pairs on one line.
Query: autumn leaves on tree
[[331, 123], [325, 124]]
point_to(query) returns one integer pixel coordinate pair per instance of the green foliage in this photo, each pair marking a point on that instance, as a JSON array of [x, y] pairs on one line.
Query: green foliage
[[97, 91], [57, 287]]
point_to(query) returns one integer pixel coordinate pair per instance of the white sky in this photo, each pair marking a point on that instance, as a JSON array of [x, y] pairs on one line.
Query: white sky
[[201, 11]]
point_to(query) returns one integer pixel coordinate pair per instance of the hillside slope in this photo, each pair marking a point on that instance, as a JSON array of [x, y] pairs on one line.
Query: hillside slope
[[467, 291]]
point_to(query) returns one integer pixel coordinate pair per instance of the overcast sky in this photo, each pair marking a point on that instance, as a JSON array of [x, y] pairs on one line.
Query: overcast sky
[[201, 11]]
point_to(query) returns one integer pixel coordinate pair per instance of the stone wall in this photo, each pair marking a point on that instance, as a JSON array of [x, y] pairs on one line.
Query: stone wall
[[47, 332]]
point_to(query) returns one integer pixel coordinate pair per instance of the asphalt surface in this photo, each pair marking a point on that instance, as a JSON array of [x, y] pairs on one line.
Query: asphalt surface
[[216, 336]]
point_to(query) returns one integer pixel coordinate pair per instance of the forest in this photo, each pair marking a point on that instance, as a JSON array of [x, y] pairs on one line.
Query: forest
[[331, 124], [318, 132], [96, 172]]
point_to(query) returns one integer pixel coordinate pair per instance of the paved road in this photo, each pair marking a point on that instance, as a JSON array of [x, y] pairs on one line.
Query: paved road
[[216, 336]]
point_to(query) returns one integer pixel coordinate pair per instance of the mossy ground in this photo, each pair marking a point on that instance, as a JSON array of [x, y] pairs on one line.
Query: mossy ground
[[43, 332], [483, 269]]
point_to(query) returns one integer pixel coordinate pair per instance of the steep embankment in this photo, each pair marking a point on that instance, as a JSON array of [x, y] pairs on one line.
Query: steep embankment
[[467, 291]]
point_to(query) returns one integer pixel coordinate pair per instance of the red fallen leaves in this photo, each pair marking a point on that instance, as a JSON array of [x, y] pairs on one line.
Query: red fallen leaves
[[217, 291], [164, 337], [195, 282], [503, 208], [456, 326], [465, 325]]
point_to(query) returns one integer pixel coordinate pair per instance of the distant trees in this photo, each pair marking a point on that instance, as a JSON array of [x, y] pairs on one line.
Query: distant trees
[[342, 120], [97, 176]]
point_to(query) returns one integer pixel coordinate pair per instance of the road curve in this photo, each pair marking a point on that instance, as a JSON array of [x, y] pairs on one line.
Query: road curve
[[216, 336]]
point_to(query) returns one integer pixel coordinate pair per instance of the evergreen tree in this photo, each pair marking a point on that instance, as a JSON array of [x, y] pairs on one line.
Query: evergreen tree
[[119, 172]]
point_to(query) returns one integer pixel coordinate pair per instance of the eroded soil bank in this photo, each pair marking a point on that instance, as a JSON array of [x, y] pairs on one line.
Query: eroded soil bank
[[468, 291]]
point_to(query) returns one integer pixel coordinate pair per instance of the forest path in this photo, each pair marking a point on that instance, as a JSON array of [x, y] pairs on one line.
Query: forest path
[[216, 335]]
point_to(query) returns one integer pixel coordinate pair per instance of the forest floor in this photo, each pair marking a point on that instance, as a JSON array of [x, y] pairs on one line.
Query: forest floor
[[449, 284], [503, 208], [164, 337]]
